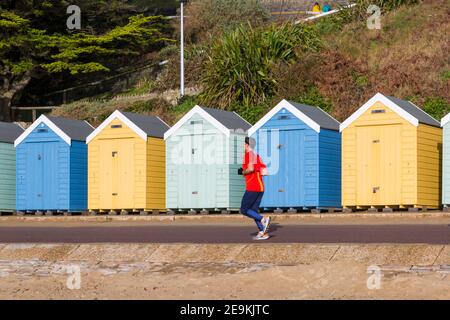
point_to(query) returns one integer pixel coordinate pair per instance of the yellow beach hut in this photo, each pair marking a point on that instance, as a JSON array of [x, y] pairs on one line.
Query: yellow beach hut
[[391, 157], [126, 164]]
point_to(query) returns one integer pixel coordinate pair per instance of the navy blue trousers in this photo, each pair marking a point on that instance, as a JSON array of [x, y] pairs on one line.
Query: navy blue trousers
[[250, 207]]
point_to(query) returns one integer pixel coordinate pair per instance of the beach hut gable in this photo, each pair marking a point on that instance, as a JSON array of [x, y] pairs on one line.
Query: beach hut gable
[[43, 120], [225, 121], [313, 117], [155, 128], [445, 120], [405, 109]]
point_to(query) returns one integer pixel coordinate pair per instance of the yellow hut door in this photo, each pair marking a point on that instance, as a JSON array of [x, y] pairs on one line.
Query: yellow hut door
[[108, 181], [378, 159], [125, 174], [117, 174]]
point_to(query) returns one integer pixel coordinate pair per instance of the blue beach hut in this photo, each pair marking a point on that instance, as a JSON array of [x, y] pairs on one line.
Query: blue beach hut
[[51, 166], [301, 146]]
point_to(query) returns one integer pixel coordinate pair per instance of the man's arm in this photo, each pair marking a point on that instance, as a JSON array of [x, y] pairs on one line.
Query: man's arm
[[250, 169]]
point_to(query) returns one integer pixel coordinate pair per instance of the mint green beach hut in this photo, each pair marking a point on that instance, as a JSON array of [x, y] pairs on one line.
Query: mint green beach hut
[[204, 151], [8, 133]]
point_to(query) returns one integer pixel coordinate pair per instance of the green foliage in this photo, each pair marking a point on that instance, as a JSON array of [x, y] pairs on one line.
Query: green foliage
[[446, 75], [313, 98], [252, 113], [240, 63], [437, 107], [361, 80], [145, 106], [142, 87], [185, 104], [140, 34], [25, 49]]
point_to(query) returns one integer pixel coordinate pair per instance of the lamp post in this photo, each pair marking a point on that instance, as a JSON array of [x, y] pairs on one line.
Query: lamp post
[[182, 49]]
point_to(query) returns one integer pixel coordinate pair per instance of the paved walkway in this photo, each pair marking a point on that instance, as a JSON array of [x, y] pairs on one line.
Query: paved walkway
[[399, 234]]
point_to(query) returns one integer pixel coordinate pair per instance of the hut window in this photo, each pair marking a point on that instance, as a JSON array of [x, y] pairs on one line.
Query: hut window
[[196, 122], [284, 117], [116, 126], [42, 130], [378, 111]]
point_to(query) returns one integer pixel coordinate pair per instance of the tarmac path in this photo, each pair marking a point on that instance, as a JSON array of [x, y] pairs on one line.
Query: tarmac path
[[304, 233]]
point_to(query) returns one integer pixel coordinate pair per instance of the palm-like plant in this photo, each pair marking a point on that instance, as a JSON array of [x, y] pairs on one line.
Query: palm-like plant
[[239, 66]]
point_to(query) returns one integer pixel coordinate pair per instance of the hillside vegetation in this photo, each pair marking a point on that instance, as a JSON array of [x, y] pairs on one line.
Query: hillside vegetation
[[336, 63]]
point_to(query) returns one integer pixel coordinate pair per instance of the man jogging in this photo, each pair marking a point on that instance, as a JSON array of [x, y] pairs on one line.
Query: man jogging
[[253, 169]]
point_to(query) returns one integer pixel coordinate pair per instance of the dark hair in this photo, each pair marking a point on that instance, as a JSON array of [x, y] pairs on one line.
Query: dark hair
[[250, 141]]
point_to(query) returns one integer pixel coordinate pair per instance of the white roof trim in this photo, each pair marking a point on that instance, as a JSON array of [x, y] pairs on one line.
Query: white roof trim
[[163, 121], [241, 117], [90, 125], [284, 104], [19, 125], [445, 120], [388, 103], [50, 124], [117, 115], [197, 110]]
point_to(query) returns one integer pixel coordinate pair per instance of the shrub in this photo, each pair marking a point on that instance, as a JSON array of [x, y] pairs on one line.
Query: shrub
[[240, 64], [184, 105], [437, 107], [313, 98]]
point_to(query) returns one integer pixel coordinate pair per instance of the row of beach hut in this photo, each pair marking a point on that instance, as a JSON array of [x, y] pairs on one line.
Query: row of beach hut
[[388, 154]]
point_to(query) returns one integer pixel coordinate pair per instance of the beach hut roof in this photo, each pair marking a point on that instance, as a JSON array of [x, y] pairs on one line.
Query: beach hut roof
[[144, 125], [314, 117], [225, 121], [9, 132], [67, 129], [405, 109]]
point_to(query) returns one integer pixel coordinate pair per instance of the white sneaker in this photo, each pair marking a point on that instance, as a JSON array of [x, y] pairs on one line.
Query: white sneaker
[[266, 224], [261, 236]]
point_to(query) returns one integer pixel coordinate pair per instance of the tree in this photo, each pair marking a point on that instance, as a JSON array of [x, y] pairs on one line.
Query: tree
[[27, 52]]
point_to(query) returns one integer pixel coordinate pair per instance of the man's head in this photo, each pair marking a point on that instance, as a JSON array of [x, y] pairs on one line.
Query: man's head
[[249, 144]]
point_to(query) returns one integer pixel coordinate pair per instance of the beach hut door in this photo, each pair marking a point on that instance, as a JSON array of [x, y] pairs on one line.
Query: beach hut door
[[117, 174], [42, 186], [378, 158], [285, 182]]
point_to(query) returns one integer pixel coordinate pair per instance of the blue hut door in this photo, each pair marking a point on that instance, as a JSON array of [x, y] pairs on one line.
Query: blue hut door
[[42, 189], [284, 187], [292, 167]]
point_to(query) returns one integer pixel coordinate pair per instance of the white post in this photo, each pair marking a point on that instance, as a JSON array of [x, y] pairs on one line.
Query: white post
[[182, 52]]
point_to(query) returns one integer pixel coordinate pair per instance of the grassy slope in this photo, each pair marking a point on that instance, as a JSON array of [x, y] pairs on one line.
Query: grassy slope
[[408, 59]]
